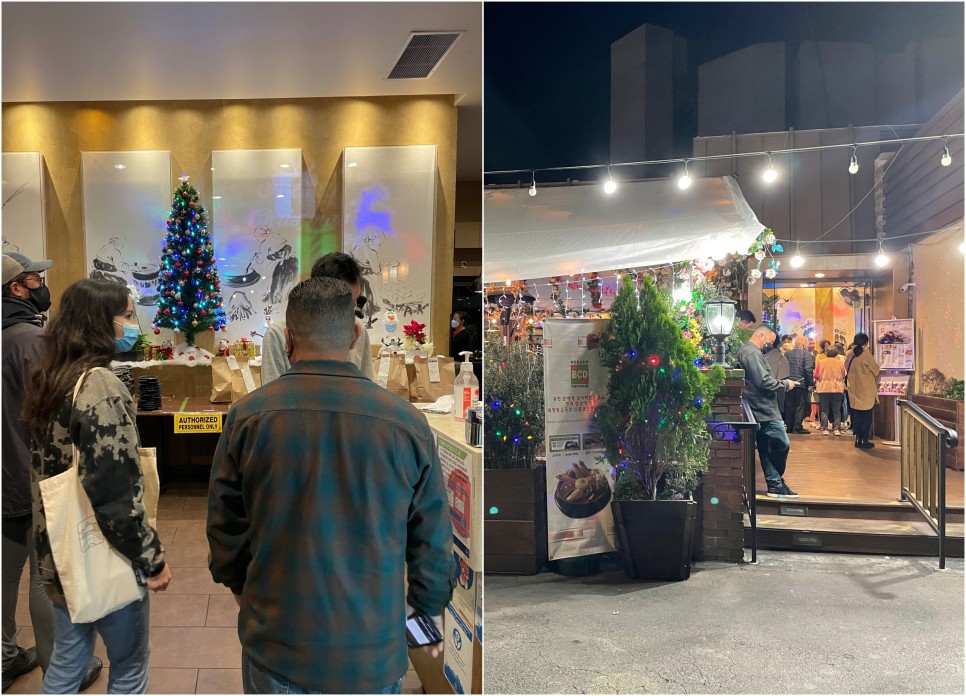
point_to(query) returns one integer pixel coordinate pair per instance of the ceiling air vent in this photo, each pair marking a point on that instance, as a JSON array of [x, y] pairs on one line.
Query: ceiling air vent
[[422, 54]]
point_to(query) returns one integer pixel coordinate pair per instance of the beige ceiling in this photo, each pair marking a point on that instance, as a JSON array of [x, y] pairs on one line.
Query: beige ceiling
[[79, 51]]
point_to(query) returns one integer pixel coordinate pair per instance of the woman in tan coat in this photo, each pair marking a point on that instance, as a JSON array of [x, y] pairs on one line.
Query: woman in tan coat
[[830, 386], [862, 376]]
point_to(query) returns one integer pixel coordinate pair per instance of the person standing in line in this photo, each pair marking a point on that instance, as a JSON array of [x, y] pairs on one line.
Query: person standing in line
[[275, 361], [761, 394], [801, 365], [830, 385], [25, 299], [862, 380], [325, 490], [94, 322], [778, 364], [746, 319]]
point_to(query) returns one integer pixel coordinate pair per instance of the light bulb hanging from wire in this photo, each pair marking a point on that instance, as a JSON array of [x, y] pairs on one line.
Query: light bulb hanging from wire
[[610, 185], [685, 181], [854, 163], [533, 185], [945, 160], [769, 174], [881, 259], [797, 260]]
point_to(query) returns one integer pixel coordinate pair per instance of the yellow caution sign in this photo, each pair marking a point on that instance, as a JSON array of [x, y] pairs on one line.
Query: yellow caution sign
[[197, 423]]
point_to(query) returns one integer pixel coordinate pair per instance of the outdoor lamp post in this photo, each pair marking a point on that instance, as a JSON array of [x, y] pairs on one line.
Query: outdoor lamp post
[[719, 318]]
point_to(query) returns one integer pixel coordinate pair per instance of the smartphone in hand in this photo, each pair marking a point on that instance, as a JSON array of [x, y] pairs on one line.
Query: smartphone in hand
[[420, 631]]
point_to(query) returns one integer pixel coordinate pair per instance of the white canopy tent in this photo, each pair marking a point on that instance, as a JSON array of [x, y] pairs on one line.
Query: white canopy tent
[[580, 229]]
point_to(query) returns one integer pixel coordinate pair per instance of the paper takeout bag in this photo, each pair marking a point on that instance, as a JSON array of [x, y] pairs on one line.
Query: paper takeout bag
[[391, 374], [221, 375], [431, 382], [247, 378]]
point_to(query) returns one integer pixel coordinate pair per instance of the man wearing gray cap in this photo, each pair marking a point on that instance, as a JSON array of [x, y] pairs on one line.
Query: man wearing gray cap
[[25, 299]]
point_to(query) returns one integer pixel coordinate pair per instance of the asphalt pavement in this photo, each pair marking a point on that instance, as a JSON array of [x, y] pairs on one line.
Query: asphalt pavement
[[794, 623]]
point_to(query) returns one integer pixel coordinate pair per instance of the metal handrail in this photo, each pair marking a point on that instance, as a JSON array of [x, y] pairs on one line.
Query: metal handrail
[[923, 477], [748, 448]]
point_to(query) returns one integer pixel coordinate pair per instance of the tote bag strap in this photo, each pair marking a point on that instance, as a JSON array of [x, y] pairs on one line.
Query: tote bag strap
[[77, 388]]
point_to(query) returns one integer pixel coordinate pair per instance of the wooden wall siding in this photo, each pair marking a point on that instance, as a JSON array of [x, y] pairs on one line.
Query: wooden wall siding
[[814, 190], [920, 195]]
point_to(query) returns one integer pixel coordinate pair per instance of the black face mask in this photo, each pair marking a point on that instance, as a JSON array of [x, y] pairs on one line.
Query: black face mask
[[767, 347], [40, 298]]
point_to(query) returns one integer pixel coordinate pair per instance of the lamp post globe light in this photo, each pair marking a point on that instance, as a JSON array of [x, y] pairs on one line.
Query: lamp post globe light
[[719, 319]]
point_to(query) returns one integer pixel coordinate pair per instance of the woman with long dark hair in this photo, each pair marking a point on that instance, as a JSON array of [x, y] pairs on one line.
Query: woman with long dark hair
[[862, 384], [95, 320]]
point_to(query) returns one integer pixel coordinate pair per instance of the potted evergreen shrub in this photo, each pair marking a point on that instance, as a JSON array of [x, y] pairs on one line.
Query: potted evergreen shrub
[[514, 491], [653, 424]]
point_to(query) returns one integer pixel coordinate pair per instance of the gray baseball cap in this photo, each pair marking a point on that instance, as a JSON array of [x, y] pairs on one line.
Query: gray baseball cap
[[14, 264]]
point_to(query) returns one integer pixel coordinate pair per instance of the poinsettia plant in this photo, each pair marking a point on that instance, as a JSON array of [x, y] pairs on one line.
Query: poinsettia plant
[[414, 338]]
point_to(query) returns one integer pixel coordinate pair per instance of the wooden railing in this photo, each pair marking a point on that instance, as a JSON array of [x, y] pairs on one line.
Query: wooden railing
[[924, 443]]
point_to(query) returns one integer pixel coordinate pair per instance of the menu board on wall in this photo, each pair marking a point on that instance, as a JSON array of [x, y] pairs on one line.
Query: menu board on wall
[[579, 520], [895, 347]]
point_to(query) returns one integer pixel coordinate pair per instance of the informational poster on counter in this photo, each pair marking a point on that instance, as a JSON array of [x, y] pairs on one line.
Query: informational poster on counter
[[579, 480], [457, 650], [895, 347], [464, 495]]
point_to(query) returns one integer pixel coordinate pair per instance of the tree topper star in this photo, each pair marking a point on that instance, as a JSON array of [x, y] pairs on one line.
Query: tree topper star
[[184, 178]]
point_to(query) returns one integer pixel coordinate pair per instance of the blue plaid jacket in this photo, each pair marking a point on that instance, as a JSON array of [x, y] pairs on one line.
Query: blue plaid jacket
[[324, 488]]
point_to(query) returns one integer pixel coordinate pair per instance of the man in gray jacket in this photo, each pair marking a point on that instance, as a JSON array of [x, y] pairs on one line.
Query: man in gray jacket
[[25, 299], [761, 393], [336, 265]]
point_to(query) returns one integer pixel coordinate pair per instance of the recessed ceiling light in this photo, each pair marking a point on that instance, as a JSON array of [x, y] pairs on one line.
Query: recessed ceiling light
[[284, 166], [281, 195], [353, 164], [216, 198], [819, 275], [120, 166]]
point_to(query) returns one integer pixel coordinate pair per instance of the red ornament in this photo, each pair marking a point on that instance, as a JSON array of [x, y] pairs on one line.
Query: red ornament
[[167, 311], [157, 332], [202, 312], [177, 264], [187, 273], [201, 263], [191, 357], [208, 275]]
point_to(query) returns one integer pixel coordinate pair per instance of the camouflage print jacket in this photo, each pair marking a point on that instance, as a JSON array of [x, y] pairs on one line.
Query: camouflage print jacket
[[102, 424]]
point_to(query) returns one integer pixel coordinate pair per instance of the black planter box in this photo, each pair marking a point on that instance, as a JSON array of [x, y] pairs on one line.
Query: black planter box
[[655, 537]]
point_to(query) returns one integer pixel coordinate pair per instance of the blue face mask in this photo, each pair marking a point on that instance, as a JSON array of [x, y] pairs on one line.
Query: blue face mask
[[131, 333], [455, 324]]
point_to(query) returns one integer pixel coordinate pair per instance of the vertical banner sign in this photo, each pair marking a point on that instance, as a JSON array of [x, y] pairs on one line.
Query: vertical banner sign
[[579, 479]]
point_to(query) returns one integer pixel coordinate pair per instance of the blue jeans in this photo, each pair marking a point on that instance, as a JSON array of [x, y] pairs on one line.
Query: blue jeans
[[773, 446], [125, 634], [258, 680]]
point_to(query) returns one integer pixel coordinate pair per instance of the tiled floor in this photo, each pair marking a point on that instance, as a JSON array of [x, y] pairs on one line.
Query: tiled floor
[[194, 641]]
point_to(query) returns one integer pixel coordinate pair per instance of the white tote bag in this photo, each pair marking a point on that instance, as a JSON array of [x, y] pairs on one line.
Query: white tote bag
[[97, 580]]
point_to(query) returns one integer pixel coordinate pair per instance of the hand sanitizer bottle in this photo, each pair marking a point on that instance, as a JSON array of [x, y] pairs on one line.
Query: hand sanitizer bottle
[[466, 388]]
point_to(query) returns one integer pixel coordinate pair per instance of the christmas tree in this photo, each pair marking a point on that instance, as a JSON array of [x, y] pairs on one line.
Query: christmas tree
[[190, 292], [653, 421], [514, 409]]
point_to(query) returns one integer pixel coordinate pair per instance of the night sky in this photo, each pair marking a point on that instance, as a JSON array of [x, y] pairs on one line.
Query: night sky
[[547, 65]]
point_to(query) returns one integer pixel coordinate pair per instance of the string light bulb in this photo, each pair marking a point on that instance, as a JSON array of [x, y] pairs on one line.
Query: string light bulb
[[610, 185], [945, 160], [770, 174], [685, 181], [533, 185], [797, 260], [854, 163], [881, 259]]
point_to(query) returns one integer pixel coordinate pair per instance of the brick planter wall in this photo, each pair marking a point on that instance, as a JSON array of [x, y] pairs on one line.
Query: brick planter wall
[[721, 534]]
